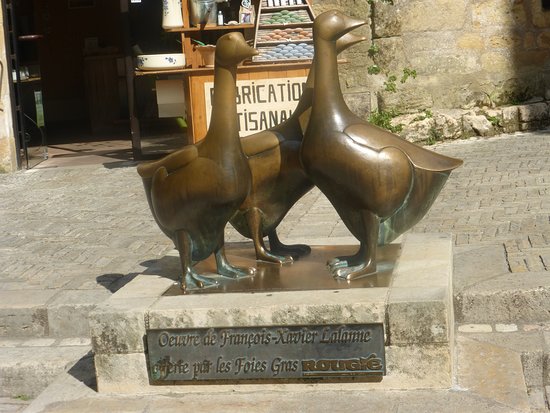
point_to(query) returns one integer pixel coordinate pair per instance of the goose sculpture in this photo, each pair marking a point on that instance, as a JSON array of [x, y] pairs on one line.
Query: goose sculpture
[[278, 179], [379, 184], [194, 191]]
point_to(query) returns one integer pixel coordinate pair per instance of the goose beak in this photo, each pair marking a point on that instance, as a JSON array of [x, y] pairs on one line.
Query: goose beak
[[348, 40], [249, 51], [351, 24]]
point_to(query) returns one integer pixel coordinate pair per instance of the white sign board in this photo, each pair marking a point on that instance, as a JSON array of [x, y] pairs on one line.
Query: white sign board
[[261, 103]]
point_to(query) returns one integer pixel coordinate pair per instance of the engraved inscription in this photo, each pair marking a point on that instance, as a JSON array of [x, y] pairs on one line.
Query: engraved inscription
[[275, 352]]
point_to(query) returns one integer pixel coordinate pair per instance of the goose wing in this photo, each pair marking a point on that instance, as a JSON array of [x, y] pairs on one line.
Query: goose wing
[[260, 142], [172, 162], [377, 138]]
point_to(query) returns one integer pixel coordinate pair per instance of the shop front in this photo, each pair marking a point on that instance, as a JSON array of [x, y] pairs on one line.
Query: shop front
[[77, 70]]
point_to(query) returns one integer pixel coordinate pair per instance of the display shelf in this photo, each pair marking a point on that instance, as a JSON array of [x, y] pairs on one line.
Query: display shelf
[[279, 8], [277, 4], [197, 78], [209, 70], [284, 33], [211, 27], [288, 34]]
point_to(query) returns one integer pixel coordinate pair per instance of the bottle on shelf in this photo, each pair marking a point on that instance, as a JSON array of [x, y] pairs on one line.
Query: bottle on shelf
[[220, 18]]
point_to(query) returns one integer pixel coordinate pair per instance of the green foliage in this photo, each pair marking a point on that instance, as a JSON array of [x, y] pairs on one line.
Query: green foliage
[[383, 119], [373, 50], [373, 70], [433, 136], [390, 83], [426, 115], [408, 73], [496, 121], [23, 397]]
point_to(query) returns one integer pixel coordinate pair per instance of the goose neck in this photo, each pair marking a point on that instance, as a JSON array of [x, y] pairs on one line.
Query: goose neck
[[327, 82], [224, 118]]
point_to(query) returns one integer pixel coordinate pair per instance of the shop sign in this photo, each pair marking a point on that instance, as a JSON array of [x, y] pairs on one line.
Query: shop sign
[[261, 103]]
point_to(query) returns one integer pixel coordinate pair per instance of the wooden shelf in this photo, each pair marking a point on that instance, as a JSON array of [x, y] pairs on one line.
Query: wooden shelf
[[31, 79], [279, 8], [210, 70], [211, 27]]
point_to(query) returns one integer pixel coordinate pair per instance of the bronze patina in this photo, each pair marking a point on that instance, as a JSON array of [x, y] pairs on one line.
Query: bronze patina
[[194, 191], [379, 183], [278, 180]]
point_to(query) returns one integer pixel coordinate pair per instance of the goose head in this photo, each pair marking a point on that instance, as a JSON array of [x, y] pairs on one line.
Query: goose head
[[332, 24], [231, 49]]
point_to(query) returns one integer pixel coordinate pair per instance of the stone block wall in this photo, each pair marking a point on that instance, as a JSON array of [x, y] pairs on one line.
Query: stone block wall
[[446, 124], [466, 53], [8, 160]]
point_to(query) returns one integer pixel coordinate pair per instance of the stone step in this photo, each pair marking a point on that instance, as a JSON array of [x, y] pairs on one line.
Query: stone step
[[13, 404], [28, 366], [48, 313], [529, 346], [486, 292], [489, 378]]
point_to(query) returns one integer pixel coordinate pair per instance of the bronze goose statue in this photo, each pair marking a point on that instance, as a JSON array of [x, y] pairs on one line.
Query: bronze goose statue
[[194, 191], [278, 180], [379, 184]]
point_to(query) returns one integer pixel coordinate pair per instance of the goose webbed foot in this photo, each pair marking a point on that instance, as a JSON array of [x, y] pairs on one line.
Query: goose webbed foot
[[262, 254], [355, 272], [255, 224], [363, 263], [347, 261], [294, 250], [226, 269], [191, 280]]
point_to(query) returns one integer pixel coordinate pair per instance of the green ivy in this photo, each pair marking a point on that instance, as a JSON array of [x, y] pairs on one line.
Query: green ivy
[[383, 119], [433, 136]]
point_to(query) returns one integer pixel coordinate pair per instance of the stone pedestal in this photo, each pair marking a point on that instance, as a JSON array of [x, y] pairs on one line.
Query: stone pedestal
[[415, 306]]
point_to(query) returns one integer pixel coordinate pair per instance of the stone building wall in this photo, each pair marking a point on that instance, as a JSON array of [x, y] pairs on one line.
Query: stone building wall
[[8, 160], [466, 53]]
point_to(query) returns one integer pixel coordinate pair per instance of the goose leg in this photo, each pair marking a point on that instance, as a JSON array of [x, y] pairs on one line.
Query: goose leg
[[190, 279], [254, 221], [228, 270], [367, 266], [348, 260], [294, 250]]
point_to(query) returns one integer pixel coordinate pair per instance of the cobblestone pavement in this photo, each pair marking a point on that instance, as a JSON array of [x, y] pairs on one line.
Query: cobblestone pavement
[[89, 227]]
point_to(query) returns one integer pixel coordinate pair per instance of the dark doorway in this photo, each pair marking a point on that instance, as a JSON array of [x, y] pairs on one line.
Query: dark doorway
[[71, 86]]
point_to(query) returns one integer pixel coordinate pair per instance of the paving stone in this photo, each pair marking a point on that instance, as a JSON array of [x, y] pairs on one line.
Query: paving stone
[[13, 404], [23, 313], [27, 371], [506, 328], [475, 328], [475, 264], [68, 313], [491, 376], [77, 394], [509, 298], [82, 228]]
